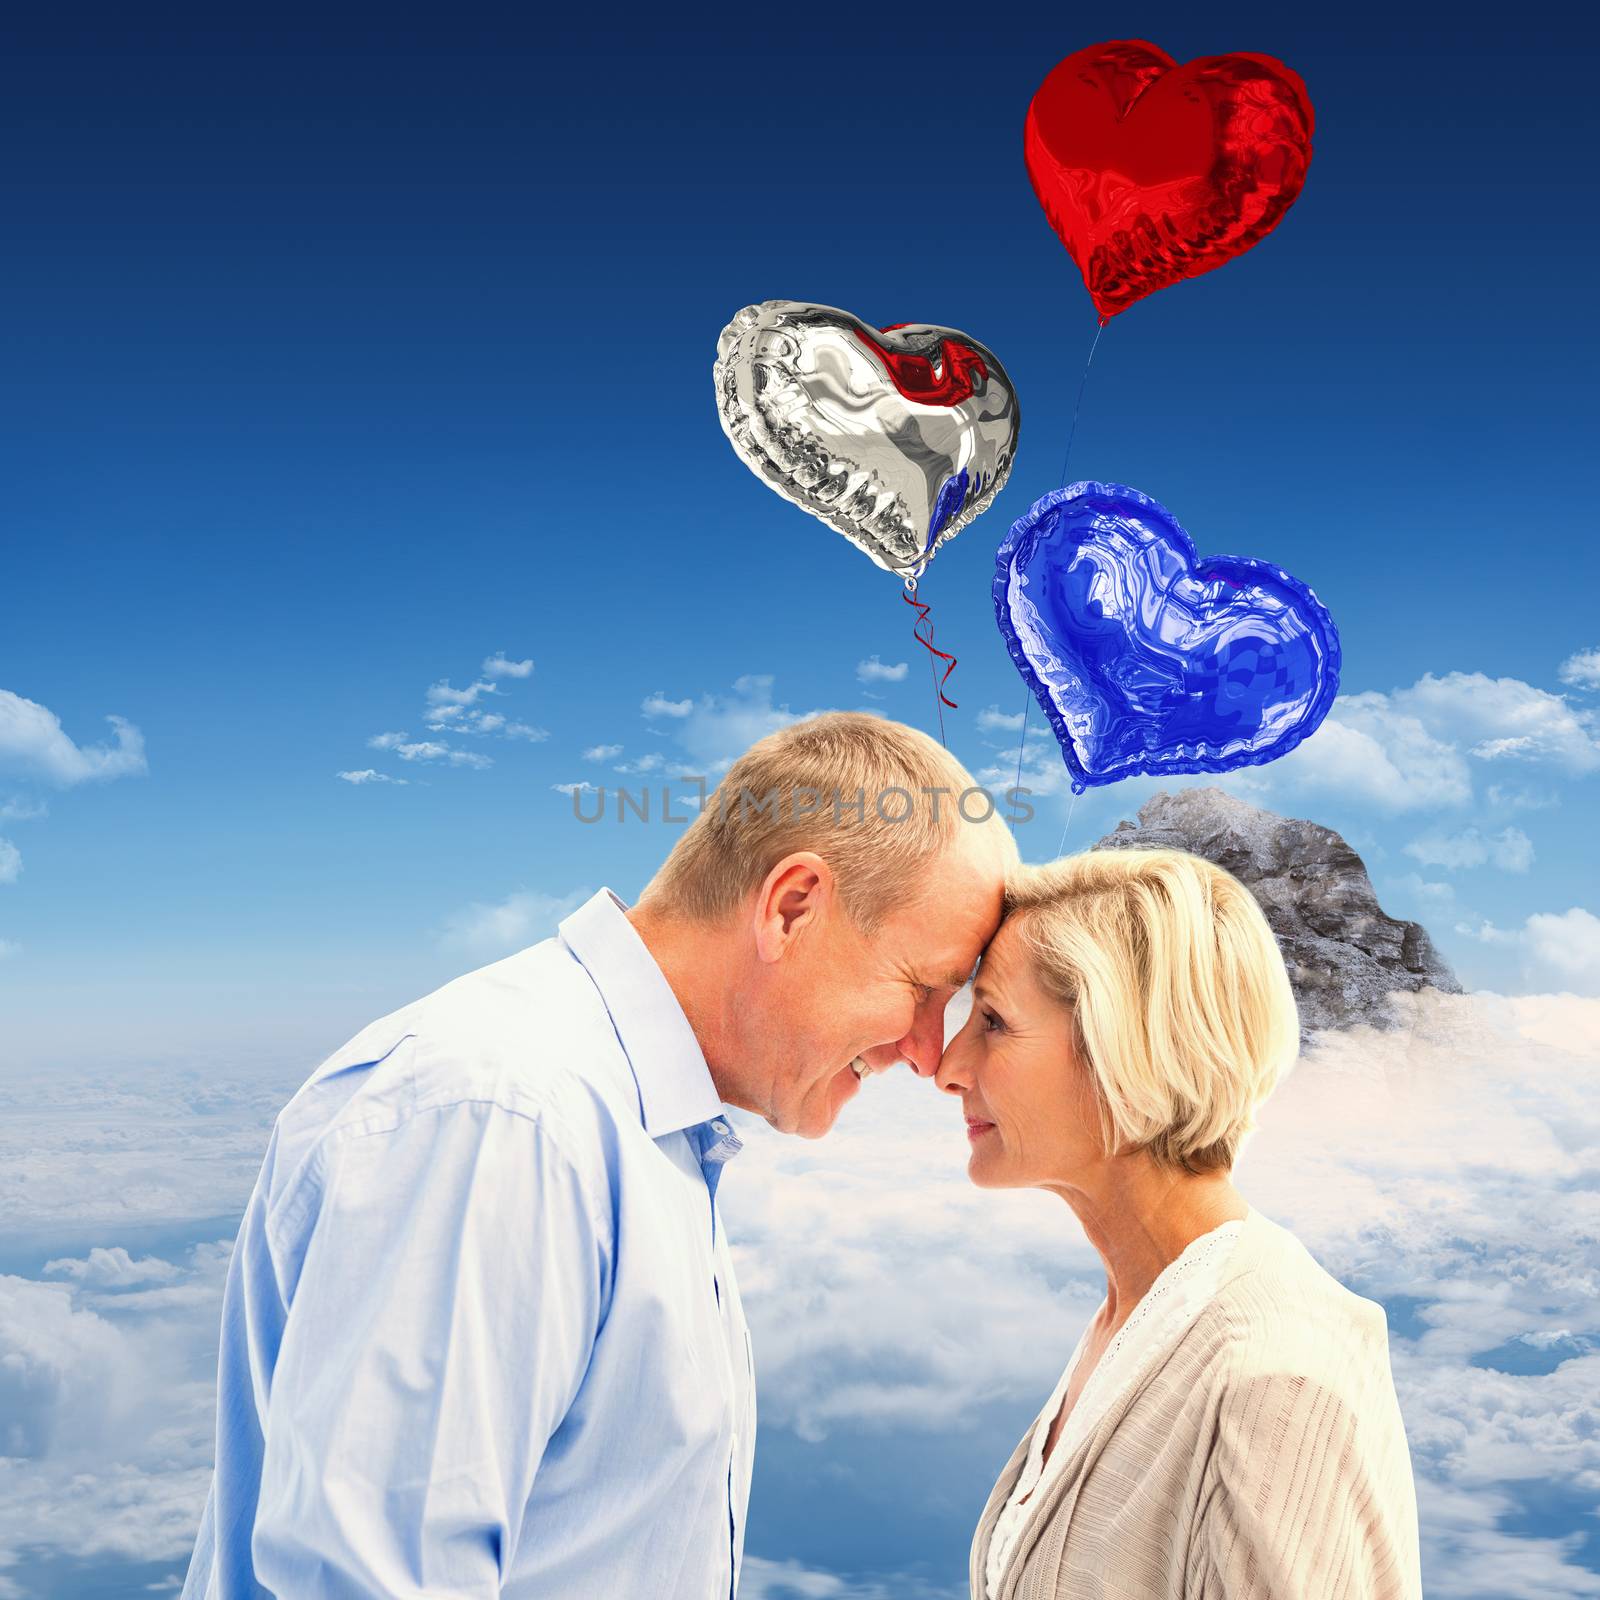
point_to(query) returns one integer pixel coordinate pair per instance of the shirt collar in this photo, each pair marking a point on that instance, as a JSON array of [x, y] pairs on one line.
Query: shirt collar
[[675, 1086]]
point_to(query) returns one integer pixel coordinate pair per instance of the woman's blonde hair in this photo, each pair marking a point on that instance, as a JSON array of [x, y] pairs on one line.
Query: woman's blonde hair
[[1182, 1010]]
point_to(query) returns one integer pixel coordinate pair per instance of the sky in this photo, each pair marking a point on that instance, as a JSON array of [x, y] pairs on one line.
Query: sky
[[362, 493]]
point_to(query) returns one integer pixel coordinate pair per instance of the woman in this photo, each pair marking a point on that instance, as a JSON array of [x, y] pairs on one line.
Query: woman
[[1227, 1427]]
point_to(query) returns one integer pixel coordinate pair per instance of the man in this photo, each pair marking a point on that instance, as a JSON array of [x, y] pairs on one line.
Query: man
[[481, 1334]]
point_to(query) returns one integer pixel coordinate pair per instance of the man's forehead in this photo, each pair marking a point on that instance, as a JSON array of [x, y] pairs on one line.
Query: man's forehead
[[947, 960], [950, 923]]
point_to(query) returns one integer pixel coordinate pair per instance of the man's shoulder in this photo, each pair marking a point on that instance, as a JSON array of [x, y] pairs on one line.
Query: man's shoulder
[[520, 1032], [527, 1035]]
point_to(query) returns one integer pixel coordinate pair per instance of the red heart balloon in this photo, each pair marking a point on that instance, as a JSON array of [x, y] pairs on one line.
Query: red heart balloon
[[1152, 172]]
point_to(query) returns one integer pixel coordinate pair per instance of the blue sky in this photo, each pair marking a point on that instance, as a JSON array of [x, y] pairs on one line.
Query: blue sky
[[348, 357], [351, 357]]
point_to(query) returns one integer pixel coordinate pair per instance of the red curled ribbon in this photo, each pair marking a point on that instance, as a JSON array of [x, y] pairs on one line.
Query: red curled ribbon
[[925, 638]]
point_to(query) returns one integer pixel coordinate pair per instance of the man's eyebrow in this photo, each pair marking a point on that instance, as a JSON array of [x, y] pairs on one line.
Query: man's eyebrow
[[955, 980]]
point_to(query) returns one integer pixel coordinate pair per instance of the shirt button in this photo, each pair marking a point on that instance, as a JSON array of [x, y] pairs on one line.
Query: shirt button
[[719, 1126]]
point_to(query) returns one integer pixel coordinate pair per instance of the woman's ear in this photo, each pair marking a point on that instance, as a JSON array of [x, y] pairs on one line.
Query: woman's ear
[[796, 896]]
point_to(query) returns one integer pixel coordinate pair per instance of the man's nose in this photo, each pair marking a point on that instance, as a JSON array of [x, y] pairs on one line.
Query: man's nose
[[922, 1047]]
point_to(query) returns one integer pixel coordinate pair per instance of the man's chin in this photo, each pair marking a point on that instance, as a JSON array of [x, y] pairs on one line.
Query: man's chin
[[832, 1095]]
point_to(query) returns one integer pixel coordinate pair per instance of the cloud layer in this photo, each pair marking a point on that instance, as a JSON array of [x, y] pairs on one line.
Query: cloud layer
[[906, 1324]]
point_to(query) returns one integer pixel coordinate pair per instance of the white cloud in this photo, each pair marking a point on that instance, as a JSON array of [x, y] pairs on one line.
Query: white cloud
[[428, 750], [448, 709], [1505, 718], [1581, 670], [1040, 771], [992, 718], [499, 666], [9, 948], [443, 693], [369, 775], [33, 744], [872, 670], [1559, 950], [1419, 748], [583, 786], [106, 1413], [112, 1268], [718, 729], [1504, 798], [1511, 850], [127, 1144], [20, 809], [653, 762], [602, 752], [10, 861], [1568, 943], [764, 1579], [492, 930], [657, 705], [1372, 750], [458, 719], [61, 1370], [1434, 894]]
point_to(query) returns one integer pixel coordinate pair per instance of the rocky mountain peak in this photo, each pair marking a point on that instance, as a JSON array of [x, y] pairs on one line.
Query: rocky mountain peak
[[1344, 953]]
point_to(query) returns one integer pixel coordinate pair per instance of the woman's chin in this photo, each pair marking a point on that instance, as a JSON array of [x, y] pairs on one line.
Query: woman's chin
[[986, 1172]]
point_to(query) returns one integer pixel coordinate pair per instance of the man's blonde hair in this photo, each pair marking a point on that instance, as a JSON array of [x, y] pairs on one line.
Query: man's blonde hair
[[1182, 1009], [835, 785]]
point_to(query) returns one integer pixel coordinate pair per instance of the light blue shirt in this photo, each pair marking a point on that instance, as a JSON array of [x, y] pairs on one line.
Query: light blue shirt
[[481, 1334]]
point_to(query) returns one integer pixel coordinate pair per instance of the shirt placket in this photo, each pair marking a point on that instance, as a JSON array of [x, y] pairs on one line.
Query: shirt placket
[[717, 1144]]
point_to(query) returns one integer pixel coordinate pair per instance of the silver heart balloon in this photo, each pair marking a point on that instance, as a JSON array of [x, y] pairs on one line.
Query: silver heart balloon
[[897, 437]]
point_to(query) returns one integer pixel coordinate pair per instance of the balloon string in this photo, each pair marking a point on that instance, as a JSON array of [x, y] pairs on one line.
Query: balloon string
[[1083, 383], [1022, 745], [922, 628], [1068, 823]]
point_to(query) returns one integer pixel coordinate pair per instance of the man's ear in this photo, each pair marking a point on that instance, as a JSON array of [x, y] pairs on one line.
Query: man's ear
[[796, 896]]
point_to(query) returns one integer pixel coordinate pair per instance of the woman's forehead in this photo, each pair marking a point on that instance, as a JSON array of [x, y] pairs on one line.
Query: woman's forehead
[[1003, 955]]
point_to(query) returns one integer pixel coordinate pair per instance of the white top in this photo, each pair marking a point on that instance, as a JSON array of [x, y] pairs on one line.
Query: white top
[[1161, 1317]]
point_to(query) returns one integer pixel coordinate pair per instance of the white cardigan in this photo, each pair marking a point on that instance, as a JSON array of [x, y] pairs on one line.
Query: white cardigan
[[1260, 1456], [1183, 1288]]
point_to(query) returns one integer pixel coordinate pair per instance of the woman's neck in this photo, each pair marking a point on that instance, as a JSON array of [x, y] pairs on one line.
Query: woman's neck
[[1141, 1217]]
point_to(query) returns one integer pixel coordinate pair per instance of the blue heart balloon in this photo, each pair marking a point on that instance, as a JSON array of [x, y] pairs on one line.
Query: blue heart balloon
[[1148, 658]]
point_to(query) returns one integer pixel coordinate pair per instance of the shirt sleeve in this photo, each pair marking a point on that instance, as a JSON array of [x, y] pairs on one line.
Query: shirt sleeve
[[437, 1334], [1308, 1499]]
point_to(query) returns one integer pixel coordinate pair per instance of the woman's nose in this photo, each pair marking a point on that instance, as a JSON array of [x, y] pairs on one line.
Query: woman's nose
[[953, 1074]]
